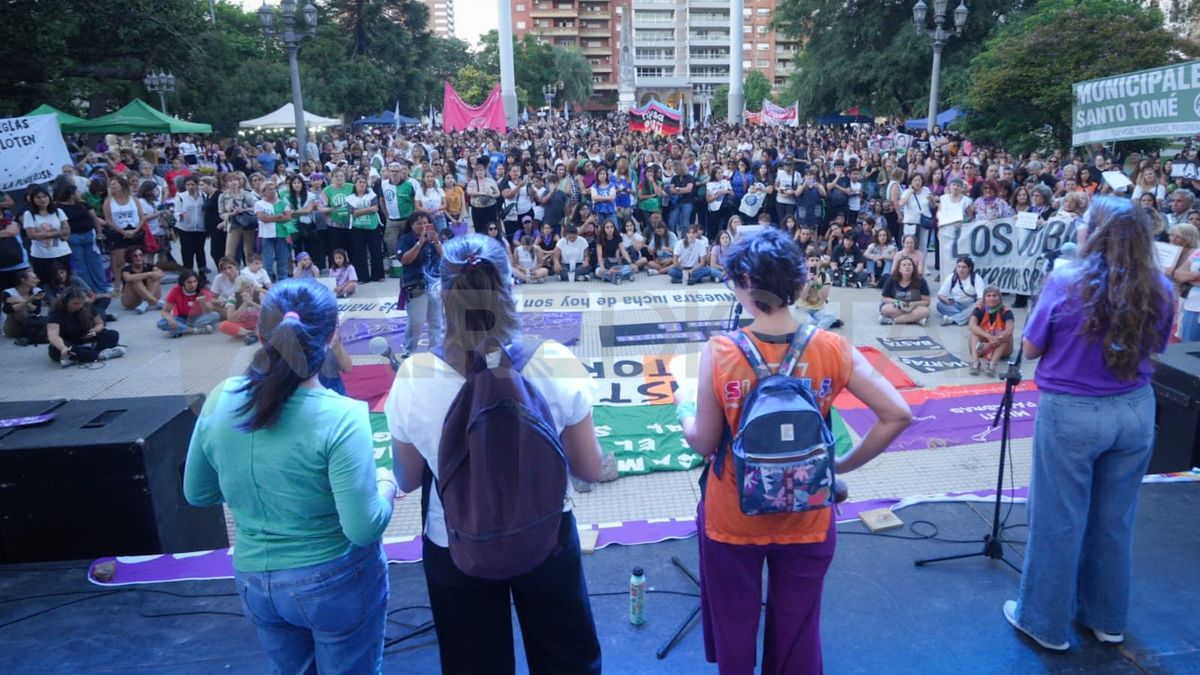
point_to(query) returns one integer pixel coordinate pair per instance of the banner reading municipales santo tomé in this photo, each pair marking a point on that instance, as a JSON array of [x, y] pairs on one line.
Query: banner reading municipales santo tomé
[[1155, 103], [31, 151], [1007, 256]]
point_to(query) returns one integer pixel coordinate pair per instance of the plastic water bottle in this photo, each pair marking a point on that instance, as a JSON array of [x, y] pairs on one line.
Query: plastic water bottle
[[637, 597]]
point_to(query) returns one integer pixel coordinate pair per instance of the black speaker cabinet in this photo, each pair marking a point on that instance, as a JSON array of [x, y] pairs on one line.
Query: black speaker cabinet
[[104, 477], [1176, 385]]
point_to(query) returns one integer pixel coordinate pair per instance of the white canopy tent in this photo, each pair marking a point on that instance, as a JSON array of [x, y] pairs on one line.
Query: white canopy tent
[[285, 118]]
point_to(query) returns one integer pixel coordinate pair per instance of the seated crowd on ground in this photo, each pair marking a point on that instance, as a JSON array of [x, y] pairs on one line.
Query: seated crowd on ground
[[577, 201]]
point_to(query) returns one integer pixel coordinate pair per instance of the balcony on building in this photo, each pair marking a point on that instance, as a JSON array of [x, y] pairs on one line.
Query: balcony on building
[[714, 56], [708, 38], [708, 19]]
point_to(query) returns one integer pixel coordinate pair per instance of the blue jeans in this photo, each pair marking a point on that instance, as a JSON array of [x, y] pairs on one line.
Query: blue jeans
[[1089, 456], [697, 275], [327, 617], [1189, 326], [959, 312], [680, 217], [88, 264], [182, 324], [275, 255]]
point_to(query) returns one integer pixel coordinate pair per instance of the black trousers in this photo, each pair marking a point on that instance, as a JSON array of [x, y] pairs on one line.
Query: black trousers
[[216, 245], [88, 351], [366, 253], [191, 247], [481, 217], [340, 238], [474, 619]]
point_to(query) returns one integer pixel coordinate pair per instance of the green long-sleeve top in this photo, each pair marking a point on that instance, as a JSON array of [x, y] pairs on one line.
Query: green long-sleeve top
[[302, 491]]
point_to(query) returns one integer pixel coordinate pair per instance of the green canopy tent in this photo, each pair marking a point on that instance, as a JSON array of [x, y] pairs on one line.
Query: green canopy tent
[[66, 121], [138, 117]]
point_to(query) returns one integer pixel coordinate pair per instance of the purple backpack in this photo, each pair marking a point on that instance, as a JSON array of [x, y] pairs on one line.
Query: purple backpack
[[502, 470]]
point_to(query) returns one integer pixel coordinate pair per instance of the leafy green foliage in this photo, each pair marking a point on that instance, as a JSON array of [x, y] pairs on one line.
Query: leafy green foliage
[[1020, 85], [756, 87], [868, 53], [534, 65], [366, 55]]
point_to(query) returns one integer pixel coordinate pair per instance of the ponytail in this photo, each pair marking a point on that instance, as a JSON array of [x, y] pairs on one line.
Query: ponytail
[[297, 320]]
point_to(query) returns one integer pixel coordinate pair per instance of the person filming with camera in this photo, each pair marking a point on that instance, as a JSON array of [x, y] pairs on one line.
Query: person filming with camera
[[420, 254]]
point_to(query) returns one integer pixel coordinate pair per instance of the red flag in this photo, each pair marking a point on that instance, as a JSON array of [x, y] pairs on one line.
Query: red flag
[[458, 116]]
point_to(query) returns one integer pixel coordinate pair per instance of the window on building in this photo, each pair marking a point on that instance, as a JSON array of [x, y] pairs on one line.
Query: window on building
[[762, 47], [746, 47], [520, 8], [520, 25], [762, 64], [747, 64], [762, 30], [764, 11]]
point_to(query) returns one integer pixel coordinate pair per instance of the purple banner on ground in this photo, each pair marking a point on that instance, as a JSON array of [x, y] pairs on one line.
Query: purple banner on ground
[[357, 333], [948, 422]]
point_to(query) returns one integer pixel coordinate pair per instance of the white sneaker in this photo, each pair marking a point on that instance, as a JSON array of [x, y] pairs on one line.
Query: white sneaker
[[66, 363], [160, 304], [206, 330], [111, 353], [1010, 613], [946, 321], [651, 272], [1108, 638], [142, 307]]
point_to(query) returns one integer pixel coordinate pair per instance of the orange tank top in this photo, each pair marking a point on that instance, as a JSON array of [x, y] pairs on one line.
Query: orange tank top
[[826, 364]]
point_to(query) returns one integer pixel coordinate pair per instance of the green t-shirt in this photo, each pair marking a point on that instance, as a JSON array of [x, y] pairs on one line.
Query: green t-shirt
[[302, 491], [648, 201], [406, 194], [284, 228], [337, 200]]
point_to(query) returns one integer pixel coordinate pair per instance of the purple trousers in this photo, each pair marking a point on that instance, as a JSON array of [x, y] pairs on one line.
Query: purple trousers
[[731, 601]]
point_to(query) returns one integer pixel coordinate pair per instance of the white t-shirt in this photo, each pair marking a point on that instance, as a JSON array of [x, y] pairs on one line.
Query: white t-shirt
[[260, 278], [426, 386], [572, 252], [47, 248], [155, 225], [1192, 302], [690, 254], [785, 184], [714, 186], [855, 203], [263, 207], [222, 287]]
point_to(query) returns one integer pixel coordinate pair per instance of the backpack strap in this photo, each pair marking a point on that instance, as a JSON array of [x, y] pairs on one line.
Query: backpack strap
[[751, 352], [795, 352]]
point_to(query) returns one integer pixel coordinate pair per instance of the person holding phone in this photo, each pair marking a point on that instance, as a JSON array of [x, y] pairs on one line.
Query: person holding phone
[[420, 254]]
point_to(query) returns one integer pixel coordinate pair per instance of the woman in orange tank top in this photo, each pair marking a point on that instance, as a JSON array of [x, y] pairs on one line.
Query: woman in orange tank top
[[766, 272]]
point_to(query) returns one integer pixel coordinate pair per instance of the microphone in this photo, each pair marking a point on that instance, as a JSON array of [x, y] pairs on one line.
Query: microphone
[[737, 316], [380, 347]]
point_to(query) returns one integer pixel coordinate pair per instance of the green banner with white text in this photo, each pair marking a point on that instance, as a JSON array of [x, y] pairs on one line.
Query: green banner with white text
[[1156, 103]]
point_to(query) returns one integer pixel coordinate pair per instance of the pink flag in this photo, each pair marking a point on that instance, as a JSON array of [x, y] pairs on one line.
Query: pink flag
[[457, 116]]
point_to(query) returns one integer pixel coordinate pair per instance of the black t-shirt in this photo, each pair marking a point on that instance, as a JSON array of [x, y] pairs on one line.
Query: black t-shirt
[[911, 293], [79, 217], [610, 247], [34, 309], [848, 258], [416, 272], [682, 182], [73, 327], [211, 211]]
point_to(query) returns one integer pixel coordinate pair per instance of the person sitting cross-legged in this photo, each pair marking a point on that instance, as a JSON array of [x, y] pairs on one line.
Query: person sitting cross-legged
[[691, 259], [189, 308], [571, 256], [77, 333], [905, 295]]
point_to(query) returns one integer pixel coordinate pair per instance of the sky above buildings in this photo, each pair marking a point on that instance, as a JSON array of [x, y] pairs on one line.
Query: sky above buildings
[[473, 18]]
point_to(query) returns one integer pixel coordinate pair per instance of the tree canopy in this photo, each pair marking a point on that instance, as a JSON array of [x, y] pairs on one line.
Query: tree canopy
[[535, 64], [366, 56], [868, 53], [756, 87], [1020, 85]]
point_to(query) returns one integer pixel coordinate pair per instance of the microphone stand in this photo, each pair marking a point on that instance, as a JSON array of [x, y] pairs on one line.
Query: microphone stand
[[993, 546]]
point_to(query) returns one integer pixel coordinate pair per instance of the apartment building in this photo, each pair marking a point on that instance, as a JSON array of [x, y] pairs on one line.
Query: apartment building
[[594, 26], [441, 17], [680, 47]]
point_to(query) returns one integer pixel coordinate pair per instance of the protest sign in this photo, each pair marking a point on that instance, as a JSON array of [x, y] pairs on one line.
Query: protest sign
[[953, 419], [1155, 103], [671, 332], [577, 298], [917, 344], [31, 151], [933, 364], [1167, 254], [1006, 256], [656, 118]]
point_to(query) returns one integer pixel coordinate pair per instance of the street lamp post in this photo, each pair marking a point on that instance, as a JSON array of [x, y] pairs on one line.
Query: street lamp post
[[161, 84], [549, 91], [940, 37], [294, 30]]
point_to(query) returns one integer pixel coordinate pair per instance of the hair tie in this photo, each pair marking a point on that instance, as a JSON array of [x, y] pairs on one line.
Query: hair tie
[[291, 315], [473, 260]]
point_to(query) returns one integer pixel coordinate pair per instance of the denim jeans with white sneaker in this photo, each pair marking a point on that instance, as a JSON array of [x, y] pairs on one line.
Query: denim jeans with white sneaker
[[195, 322], [1089, 456]]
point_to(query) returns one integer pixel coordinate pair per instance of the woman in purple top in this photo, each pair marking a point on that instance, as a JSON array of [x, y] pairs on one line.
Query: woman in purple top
[[1094, 328]]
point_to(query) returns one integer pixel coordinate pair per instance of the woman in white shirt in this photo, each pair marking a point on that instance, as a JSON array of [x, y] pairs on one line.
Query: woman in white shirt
[[915, 206], [432, 198], [149, 195], [189, 224], [960, 293], [551, 597], [49, 229]]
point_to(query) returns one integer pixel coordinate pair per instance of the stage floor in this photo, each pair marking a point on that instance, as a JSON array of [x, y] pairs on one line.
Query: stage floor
[[880, 615], [157, 365]]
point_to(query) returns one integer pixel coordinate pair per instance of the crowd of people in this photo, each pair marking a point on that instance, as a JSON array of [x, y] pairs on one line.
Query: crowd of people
[[473, 214]]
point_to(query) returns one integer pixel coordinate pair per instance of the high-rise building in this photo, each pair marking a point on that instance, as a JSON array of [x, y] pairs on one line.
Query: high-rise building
[[441, 17], [591, 25], [680, 47]]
